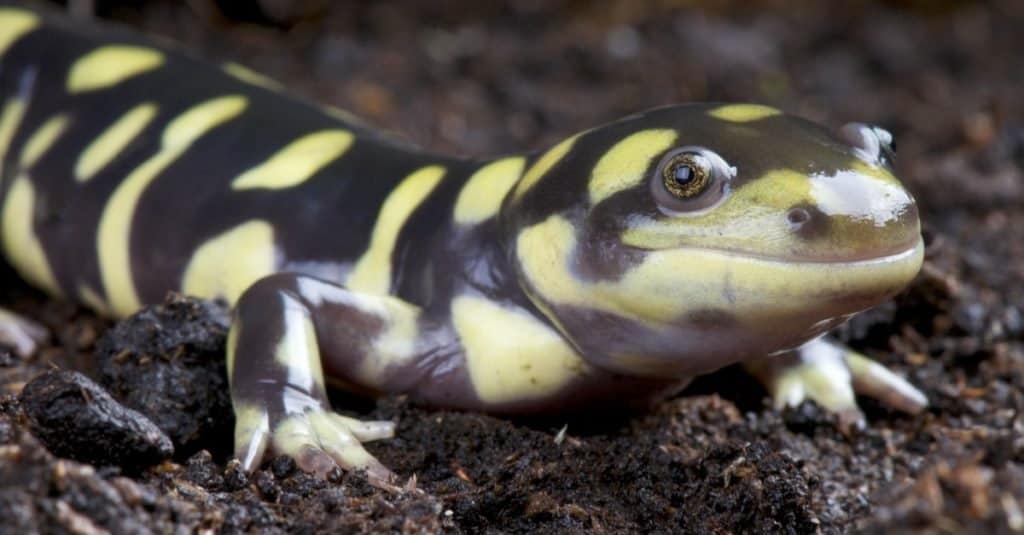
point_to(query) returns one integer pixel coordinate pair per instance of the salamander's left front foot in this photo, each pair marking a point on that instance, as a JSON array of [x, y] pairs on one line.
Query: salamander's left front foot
[[285, 327], [830, 375], [318, 439]]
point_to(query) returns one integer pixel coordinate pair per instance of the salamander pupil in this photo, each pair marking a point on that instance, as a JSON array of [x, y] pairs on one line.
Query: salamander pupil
[[684, 175]]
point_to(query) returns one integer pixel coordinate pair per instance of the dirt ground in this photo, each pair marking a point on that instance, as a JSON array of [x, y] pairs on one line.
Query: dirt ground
[[945, 77]]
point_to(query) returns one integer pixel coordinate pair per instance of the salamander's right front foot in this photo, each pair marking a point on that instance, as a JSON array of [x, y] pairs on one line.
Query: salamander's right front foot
[[318, 439]]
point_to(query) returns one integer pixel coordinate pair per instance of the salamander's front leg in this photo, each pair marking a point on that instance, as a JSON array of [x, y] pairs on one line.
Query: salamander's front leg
[[283, 326], [830, 374]]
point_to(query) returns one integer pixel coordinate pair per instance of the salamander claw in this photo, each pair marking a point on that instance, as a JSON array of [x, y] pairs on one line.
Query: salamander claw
[[874, 380]]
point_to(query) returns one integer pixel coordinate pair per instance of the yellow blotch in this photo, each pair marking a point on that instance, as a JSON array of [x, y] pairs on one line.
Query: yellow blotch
[[743, 113], [372, 273], [510, 355], [23, 248], [778, 188], [250, 76], [115, 224], [110, 65], [543, 251], [296, 162], [11, 117], [481, 197], [396, 344], [232, 261], [668, 283], [297, 351], [114, 140], [21, 245], [42, 139], [14, 24], [624, 165], [542, 166], [752, 217]]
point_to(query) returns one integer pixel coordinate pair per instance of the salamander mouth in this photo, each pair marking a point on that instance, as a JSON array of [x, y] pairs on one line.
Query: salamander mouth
[[887, 253], [879, 255]]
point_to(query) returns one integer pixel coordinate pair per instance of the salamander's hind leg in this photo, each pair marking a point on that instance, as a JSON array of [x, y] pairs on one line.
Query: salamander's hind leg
[[830, 374], [283, 326], [21, 334]]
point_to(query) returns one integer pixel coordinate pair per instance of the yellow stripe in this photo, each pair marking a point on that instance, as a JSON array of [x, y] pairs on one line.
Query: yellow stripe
[[510, 355], [13, 112], [230, 262], [114, 140], [115, 224], [542, 166], [297, 162], [42, 139], [372, 273], [250, 76], [481, 197], [110, 65], [23, 248], [14, 24], [624, 165], [743, 113]]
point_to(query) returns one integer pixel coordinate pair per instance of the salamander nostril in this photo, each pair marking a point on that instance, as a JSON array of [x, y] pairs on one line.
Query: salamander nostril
[[797, 217], [807, 221]]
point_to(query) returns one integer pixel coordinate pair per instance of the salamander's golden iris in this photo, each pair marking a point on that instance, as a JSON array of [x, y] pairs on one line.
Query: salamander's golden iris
[[687, 174], [607, 269], [694, 177]]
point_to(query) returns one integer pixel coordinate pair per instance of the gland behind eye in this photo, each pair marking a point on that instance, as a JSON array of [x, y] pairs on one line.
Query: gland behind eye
[[690, 179], [872, 144]]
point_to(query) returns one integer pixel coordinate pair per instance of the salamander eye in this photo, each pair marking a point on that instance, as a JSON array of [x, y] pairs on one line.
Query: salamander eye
[[687, 174], [689, 179]]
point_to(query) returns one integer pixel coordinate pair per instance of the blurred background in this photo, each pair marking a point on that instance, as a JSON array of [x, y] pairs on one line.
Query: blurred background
[[487, 77]]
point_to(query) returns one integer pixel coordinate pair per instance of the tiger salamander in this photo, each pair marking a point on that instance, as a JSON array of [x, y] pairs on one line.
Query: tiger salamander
[[607, 269]]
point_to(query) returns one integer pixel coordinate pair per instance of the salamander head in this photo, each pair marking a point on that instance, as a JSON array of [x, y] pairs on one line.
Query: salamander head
[[686, 238]]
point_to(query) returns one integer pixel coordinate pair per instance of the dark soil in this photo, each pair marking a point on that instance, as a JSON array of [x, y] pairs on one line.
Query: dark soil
[[946, 77]]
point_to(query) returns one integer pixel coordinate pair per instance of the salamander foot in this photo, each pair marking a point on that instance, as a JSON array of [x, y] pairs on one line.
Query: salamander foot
[[318, 439], [830, 375]]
